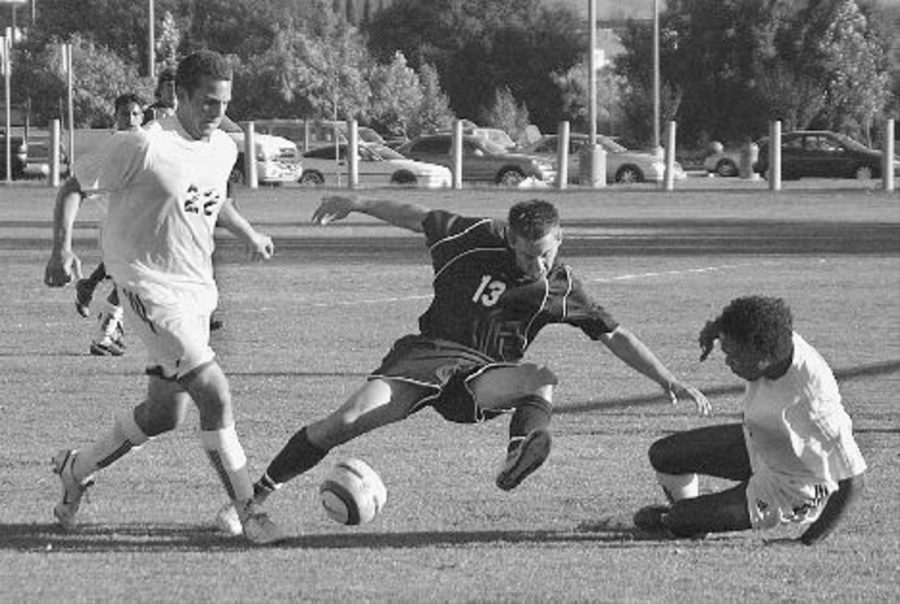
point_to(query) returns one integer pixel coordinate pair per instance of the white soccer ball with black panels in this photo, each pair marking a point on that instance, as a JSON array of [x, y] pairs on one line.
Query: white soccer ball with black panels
[[352, 492]]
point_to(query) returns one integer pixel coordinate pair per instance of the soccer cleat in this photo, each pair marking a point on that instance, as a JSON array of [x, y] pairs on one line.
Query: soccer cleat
[[650, 517], [258, 527], [228, 522], [72, 490], [106, 347], [215, 324], [521, 461], [84, 293]]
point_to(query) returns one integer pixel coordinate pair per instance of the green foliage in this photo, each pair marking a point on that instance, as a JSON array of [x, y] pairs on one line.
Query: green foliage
[[479, 47], [99, 76], [573, 86], [396, 95], [434, 113], [736, 64], [506, 115]]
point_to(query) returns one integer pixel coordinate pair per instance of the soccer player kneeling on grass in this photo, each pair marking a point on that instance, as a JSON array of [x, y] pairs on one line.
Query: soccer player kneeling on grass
[[496, 285], [794, 456]]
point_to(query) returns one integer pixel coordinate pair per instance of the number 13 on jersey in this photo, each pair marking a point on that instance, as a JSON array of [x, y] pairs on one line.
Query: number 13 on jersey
[[489, 291]]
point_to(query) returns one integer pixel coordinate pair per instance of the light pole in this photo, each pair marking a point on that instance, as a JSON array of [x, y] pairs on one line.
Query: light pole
[[151, 46], [655, 74]]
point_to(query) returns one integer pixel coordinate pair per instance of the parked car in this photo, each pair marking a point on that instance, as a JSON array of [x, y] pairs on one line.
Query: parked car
[[315, 132], [278, 160], [38, 162], [495, 135], [622, 165], [825, 154], [378, 165], [482, 160], [19, 153], [721, 161]]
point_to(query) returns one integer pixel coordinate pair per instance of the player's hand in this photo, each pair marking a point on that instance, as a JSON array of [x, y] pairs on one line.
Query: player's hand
[[678, 390], [62, 267], [707, 339], [261, 247], [333, 207]]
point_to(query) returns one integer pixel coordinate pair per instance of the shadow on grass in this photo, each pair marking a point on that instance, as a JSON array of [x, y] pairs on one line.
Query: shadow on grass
[[842, 375], [137, 537]]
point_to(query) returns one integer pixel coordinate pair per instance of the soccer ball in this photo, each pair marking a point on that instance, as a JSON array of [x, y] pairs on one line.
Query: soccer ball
[[352, 493]]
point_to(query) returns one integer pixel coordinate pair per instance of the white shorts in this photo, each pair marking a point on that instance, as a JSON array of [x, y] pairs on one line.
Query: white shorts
[[773, 500], [173, 324]]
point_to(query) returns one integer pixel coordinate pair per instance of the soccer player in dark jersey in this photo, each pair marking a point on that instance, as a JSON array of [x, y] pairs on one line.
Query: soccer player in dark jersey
[[496, 285]]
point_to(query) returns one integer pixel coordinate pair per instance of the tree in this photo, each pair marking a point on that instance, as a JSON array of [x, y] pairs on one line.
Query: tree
[[478, 47], [396, 95], [434, 113], [168, 42], [506, 115]]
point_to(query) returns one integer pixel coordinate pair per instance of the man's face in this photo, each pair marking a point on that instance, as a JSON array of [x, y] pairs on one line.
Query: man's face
[[535, 257], [166, 94], [201, 112], [129, 117], [744, 360]]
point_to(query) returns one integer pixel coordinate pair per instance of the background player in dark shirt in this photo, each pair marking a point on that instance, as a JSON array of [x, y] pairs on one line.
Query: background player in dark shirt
[[496, 285]]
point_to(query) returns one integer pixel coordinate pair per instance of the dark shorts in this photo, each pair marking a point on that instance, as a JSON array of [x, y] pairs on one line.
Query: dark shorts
[[444, 366]]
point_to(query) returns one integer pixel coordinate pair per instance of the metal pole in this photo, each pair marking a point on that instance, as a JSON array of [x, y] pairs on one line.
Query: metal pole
[[592, 73], [457, 154], [775, 155], [562, 154], [352, 155], [887, 172], [6, 111], [151, 35], [71, 104], [251, 171], [669, 175], [656, 74], [54, 154]]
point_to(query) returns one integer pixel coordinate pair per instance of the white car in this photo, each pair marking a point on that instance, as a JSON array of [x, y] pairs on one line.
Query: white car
[[379, 165], [278, 160], [622, 165]]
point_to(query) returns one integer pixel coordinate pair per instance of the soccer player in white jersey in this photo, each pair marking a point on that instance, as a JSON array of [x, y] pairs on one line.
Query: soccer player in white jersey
[[794, 456], [167, 189]]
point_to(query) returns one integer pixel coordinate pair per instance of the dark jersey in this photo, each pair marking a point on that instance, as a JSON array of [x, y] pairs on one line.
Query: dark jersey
[[481, 298]]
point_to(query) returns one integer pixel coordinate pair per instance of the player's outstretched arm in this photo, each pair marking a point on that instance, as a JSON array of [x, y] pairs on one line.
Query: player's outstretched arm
[[404, 215], [639, 357], [260, 246], [63, 265]]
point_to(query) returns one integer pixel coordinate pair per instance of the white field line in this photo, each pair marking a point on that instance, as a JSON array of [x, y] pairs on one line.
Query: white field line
[[625, 277]]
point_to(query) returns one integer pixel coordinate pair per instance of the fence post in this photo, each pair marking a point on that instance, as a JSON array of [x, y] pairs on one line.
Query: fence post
[[457, 154], [54, 154], [669, 177], [887, 171], [775, 155], [352, 154], [562, 156], [251, 175]]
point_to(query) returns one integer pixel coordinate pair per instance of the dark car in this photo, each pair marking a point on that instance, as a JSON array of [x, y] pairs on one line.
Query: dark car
[[19, 156], [823, 154], [482, 160]]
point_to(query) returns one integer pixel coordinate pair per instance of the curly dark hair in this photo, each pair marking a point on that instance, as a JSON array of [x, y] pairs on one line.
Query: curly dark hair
[[763, 322], [201, 63], [129, 98], [533, 219]]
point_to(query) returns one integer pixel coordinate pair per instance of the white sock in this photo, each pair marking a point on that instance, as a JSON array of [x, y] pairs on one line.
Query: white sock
[[227, 457], [112, 320], [124, 436], [679, 486]]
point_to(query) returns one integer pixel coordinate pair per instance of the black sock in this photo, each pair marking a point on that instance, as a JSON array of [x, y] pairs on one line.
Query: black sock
[[532, 413], [295, 458]]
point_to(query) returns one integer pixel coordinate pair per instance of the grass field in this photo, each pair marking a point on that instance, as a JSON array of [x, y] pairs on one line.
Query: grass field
[[302, 331]]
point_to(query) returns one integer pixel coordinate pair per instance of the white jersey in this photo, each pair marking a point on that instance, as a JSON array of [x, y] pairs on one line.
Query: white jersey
[[165, 190], [798, 434]]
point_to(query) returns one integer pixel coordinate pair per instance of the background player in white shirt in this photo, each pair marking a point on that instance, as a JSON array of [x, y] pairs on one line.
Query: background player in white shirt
[[109, 339], [794, 455], [167, 188]]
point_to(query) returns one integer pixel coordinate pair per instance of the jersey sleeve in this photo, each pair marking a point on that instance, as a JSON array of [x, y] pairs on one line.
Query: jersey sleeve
[[582, 311], [111, 165]]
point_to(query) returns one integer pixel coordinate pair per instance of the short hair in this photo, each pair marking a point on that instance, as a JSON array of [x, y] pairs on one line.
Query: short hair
[[165, 75], [192, 68], [129, 98], [533, 219], [762, 322]]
